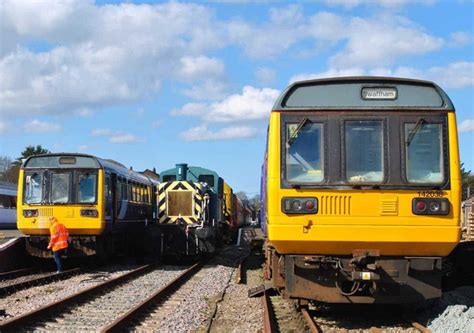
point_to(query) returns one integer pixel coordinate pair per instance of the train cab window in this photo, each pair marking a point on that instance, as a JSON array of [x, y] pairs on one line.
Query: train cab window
[[304, 152], [209, 179], [424, 152], [364, 151], [86, 187], [169, 178], [60, 185], [33, 188]]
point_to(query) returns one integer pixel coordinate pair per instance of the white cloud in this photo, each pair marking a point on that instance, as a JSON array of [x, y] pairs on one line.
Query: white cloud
[[460, 38], [3, 127], [252, 104], [116, 136], [467, 126], [328, 73], [101, 132], [202, 133], [285, 27], [37, 126], [196, 68], [191, 109], [265, 75], [456, 75], [112, 55], [124, 138], [382, 41], [349, 4]]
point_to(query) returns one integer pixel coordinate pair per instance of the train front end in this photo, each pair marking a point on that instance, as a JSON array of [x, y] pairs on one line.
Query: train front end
[[361, 189], [68, 187]]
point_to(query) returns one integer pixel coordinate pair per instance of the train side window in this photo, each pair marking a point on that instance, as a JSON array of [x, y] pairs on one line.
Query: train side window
[[304, 152], [424, 153], [119, 188], [124, 189], [107, 189], [364, 165], [5, 201]]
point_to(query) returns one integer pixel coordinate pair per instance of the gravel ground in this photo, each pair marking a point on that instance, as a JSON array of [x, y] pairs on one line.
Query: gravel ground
[[454, 312], [29, 299], [237, 312], [112, 302], [190, 307]]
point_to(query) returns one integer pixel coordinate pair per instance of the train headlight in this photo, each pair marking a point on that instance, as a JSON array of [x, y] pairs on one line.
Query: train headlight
[[299, 205], [435, 206], [296, 205], [89, 213], [430, 206], [30, 212]]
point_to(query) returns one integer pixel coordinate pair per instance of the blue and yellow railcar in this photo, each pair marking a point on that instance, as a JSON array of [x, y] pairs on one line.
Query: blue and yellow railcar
[[361, 190], [100, 201]]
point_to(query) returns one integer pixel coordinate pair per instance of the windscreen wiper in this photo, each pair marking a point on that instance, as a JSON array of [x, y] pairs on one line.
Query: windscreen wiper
[[298, 129], [415, 130]]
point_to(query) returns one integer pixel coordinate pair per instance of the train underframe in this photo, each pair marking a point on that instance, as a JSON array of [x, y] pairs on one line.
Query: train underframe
[[182, 241], [364, 277], [100, 246]]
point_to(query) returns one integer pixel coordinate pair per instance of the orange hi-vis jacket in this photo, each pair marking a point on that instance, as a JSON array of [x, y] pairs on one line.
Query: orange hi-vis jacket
[[59, 236]]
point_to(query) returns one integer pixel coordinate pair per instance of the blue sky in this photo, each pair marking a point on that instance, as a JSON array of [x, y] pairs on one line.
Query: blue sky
[[151, 84]]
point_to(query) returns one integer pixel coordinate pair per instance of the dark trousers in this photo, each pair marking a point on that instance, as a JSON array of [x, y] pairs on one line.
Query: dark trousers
[[57, 259]]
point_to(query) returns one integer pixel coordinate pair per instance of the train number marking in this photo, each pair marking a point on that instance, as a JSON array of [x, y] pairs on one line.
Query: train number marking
[[431, 194]]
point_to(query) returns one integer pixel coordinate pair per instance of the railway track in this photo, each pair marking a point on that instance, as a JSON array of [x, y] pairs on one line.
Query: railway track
[[148, 310], [24, 281], [96, 307], [13, 274], [280, 315]]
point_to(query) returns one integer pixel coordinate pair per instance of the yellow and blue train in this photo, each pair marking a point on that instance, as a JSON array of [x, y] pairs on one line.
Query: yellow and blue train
[[360, 190], [103, 204]]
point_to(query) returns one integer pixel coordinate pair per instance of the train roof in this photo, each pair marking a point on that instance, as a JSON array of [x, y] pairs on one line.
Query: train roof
[[8, 188], [82, 161], [363, 92], [193, 170]]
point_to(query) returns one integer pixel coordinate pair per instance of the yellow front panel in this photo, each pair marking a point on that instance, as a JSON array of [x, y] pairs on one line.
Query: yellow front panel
[[354, 219], [69, 215]]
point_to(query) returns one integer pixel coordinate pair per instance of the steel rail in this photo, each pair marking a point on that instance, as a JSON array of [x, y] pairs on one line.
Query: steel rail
[[269, 319], [124, 320], [16, 322], [38, 281], [312, 325], [12, 274], [420, 327]]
